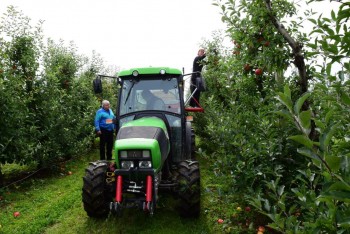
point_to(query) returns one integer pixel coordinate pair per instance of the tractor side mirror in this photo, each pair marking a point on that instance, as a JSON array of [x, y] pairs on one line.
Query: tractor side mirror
[[97, 85], [119, 81]]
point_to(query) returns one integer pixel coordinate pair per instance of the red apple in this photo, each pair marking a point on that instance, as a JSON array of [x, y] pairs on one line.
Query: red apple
[[267, 43], [258, 72], [247, 67], [16, 214], [247, 209], [220, 220]]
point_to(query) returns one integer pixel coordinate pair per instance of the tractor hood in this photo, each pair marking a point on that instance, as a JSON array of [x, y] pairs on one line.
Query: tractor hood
[[148, 133]]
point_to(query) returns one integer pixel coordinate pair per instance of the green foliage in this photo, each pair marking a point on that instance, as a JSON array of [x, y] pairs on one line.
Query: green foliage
[[285, 152], [47, 103]]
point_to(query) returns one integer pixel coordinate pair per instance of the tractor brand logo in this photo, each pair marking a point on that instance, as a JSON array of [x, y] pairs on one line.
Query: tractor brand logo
[[134, 154]]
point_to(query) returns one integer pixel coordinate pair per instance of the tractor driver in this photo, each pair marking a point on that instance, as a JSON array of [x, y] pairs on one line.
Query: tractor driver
[[152, 102]]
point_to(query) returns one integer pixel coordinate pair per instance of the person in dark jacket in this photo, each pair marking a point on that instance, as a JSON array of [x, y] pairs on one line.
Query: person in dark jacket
[[197, 68], [104, 126]]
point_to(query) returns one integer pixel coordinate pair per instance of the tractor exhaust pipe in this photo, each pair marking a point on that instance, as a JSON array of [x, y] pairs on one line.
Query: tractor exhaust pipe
[[149, 188], [119, 189]]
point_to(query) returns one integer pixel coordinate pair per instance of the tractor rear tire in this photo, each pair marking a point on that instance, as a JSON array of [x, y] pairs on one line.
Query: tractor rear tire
[[189, 188], [96, 194]]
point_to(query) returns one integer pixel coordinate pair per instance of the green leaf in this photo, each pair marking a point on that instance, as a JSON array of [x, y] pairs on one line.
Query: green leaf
[[223, 8], [337, 28], [328, 69], [329, 31], [302, 140], [345, 98], [287, 92], [327, 136], [333, 162], [340, 195], [320, 124], [316, 31], [285, 114], [299, 103], [333, 48], [339, 186], [313, 46], [308, 153], [333, 15], [280, 190], [305, 121], [285, 100], [345, 222], [267, 205], [328, 117], [312, 21]]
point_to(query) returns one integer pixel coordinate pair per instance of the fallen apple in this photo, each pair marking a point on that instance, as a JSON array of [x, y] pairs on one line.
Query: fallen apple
[[16, 214], [220, 220]]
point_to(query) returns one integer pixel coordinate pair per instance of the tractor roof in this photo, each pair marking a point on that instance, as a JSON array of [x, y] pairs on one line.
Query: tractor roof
[[149, 71]]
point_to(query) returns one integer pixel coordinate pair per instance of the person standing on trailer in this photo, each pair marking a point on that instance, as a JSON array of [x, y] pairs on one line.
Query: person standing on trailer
[[197, 68]]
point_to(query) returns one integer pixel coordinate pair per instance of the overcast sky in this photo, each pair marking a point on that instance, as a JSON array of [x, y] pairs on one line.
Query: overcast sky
[[128, 33]]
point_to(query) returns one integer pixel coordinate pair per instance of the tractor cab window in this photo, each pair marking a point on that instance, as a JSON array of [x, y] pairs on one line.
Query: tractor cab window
[[141, 95]]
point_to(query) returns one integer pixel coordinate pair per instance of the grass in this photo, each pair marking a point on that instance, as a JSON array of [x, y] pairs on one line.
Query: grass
[[53, 205]]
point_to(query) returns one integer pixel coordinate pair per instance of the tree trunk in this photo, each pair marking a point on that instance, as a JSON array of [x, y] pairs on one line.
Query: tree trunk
[[299, 62]]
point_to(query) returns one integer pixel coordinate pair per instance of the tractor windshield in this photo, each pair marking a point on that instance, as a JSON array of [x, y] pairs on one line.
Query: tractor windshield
[[148, 94]]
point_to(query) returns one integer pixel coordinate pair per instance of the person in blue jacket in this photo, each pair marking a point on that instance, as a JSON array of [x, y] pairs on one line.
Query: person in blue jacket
[[104, 126]]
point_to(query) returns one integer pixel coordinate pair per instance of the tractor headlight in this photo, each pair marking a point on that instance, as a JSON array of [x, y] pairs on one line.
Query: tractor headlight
[[145, 164], [127, 164], [146, 154]]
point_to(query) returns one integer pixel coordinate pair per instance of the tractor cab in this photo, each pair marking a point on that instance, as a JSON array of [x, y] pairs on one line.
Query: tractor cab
[[157, 92]]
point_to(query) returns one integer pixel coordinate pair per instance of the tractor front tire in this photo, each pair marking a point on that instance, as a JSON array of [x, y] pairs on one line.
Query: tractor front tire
[[189, 188], [96, 195]]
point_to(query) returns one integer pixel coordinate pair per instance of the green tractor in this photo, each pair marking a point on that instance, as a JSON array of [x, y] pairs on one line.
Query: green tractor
[[154, 149]]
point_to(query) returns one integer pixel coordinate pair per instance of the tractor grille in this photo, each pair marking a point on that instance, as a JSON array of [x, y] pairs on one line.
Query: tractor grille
[[134, 154]]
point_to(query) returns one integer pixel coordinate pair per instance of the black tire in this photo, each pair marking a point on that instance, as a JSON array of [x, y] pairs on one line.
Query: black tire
[[189, 188], [96, 195]]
